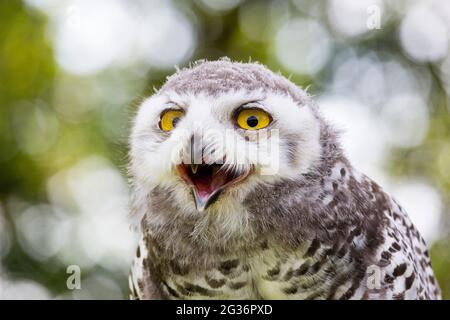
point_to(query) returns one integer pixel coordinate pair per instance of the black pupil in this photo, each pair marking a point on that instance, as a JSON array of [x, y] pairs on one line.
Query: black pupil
[[252, 121], [175, 121]]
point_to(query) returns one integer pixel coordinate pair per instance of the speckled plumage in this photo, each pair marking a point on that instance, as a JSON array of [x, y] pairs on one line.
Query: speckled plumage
[[317, 229]]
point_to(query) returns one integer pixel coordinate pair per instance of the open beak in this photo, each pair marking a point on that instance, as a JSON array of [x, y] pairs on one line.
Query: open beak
[[208, 181]]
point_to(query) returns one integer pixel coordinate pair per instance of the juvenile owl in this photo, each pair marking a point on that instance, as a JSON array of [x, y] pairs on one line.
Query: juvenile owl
[[242, 191]]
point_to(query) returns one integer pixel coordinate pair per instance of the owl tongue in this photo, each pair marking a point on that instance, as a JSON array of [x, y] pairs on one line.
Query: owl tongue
[[207, 182]]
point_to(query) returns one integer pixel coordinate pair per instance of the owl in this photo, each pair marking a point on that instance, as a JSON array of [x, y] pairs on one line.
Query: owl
[[242, 190]]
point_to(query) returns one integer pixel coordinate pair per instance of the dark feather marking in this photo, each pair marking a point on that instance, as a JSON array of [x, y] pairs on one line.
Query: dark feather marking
[[171, 291], [338, 281], [237, 285], [335, 186], [399, 270], [272, 273], [341, 253], [409, 281], [215, 283], [386, 255], [290, 290], [264, 245], [388, 278], [228, 266], [357, 278], [193, 288], [138, 252], [315, 244], [288, 275], [302, 269], [141, 285], [315, 267], [177, 269]]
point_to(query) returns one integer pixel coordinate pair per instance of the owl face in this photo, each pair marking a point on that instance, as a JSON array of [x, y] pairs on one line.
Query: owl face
[[208, 142]]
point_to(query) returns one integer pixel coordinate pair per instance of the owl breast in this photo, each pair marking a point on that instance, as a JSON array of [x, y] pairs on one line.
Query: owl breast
[[370, 251], [308, 272]]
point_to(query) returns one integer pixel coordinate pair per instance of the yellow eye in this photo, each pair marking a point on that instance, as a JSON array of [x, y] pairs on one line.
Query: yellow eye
[[169, 119], [253, 119]]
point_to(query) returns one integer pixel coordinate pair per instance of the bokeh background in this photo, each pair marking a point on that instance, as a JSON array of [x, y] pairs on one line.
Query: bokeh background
[[72, 73]]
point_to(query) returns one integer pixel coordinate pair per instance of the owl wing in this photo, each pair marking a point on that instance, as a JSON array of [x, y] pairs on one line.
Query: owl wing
[[142, 283], [404, 254]]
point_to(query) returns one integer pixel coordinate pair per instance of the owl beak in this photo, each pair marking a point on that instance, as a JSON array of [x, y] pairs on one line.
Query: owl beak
[[207, 181], [203, 201]]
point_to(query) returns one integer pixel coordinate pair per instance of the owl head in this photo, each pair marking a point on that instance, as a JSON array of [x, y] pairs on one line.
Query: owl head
[[217, 130]]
